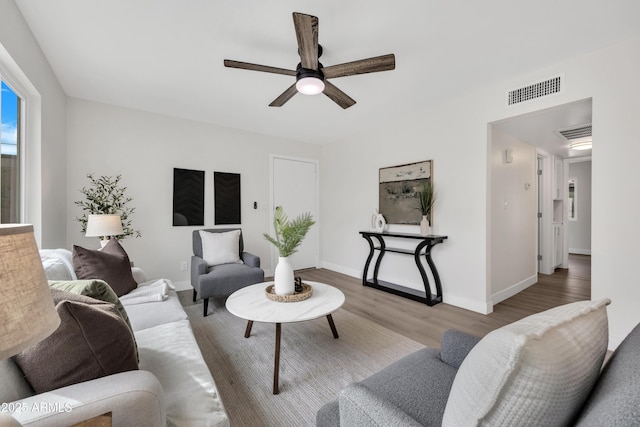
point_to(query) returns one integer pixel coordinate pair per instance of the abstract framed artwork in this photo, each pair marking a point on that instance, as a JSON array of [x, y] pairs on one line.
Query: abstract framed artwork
[[227, 198], [398, 191], [188, 197]]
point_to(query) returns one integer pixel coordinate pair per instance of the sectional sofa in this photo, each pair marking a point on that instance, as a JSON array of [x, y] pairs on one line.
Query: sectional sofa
[[172, 387], [544, 370]]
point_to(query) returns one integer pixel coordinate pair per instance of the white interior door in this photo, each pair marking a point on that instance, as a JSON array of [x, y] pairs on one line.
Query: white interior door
[[295, 188]]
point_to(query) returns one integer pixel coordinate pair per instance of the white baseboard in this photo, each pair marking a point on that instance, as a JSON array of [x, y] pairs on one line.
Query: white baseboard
[[514, 289], [182, 286], [467, 304], [342, 269], [580, 251]]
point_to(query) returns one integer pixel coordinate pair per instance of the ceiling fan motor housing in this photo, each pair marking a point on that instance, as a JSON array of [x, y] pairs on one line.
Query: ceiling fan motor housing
[[302, 73]]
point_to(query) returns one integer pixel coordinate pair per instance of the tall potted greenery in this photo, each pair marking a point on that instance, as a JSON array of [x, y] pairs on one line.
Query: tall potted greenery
[[289, 235], [105, 195], [426, 199]]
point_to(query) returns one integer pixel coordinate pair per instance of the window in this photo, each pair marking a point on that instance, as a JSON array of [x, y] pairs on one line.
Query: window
[[10, 153]]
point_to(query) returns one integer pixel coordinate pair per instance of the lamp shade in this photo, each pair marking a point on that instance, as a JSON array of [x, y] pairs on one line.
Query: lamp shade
[[103, 225], [27, 312]]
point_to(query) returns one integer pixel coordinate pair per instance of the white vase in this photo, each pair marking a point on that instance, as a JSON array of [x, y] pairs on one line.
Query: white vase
[[380, 223], [283, 277], [425, 229]]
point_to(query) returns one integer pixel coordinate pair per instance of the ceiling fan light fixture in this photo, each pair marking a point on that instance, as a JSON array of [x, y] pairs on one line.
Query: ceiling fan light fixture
[[310, 85], [581, 144]]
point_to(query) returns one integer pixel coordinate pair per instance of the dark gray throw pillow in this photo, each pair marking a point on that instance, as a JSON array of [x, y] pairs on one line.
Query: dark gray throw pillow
[[92, 341], [110, 264]]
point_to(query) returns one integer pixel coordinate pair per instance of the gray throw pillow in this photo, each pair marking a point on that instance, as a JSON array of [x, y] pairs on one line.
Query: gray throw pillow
[[92, 341], [110, 264]]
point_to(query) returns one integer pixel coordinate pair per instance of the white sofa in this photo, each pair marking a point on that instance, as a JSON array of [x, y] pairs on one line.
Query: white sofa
[[173, 386]]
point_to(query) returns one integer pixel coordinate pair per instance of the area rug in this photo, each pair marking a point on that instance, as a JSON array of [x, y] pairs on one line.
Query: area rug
[[314, 366]]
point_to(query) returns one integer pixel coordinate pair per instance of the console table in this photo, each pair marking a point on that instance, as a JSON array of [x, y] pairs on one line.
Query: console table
[[423, 248]]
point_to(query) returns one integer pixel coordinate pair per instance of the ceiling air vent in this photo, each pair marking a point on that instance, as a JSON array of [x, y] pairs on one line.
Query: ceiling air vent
[[536, 90], [575, 132]]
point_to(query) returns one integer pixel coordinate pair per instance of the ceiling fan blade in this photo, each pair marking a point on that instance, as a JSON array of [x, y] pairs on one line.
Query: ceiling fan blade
[[307, 35], [363, 66], [285, 96], [255, 67], [337, 96]]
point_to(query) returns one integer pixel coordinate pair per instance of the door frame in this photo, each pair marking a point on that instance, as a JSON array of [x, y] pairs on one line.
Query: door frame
[[316, 162]]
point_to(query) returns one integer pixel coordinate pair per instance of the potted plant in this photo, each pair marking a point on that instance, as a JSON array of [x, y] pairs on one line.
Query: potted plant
[[106, 196], [426, 199], [289, 235]]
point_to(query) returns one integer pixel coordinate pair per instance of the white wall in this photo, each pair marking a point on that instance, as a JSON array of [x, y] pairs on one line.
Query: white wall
[[144, 148], [454, 135], [513, 216], [580, 229], [20, 56]]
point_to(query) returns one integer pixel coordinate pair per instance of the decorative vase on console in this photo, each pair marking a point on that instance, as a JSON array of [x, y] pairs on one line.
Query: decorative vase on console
[[426, 198], [425, 228], [289, 235]]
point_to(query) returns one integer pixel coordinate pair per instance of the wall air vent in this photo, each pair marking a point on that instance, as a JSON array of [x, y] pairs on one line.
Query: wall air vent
[[550, 86]]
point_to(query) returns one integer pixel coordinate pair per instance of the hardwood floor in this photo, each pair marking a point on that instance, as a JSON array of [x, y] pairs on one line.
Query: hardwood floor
[[427, 324]]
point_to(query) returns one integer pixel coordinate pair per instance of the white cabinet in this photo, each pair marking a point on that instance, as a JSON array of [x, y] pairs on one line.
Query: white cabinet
[[558, 178], [557, 245]]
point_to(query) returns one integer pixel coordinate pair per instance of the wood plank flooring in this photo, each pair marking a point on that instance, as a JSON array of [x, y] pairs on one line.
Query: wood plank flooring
[[427, 324]]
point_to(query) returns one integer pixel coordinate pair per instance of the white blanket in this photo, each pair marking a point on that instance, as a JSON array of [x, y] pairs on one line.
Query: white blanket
[[151, 291]]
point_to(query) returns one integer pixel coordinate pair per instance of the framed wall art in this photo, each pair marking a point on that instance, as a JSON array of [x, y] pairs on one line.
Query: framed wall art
[[188, 197], [227, 198], [398, 191]]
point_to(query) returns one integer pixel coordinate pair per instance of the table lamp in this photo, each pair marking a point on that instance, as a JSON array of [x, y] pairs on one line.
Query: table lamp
[[105, 226], [27, 312]]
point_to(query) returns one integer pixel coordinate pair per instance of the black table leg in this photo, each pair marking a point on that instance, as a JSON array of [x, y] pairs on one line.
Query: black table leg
[[247, 331], [332, 326], [276, 366]]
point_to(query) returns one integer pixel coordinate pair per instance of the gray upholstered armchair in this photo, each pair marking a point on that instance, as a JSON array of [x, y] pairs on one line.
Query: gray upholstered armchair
[[216, 273]]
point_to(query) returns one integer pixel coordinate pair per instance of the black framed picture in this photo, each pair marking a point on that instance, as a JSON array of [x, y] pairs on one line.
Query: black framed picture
[[188, 197], [227, 198]]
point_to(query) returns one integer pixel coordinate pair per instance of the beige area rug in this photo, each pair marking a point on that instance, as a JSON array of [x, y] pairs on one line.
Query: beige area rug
[[314, 366]]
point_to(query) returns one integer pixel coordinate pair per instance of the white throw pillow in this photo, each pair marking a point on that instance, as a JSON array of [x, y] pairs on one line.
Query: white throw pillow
[[57, 264], [220, 248], [534, 372]]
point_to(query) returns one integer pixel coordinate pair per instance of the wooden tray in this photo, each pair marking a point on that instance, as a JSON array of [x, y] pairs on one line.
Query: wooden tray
[[307, 291]]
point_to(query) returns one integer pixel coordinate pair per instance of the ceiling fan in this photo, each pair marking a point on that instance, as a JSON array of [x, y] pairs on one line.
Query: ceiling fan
[[311, 75]]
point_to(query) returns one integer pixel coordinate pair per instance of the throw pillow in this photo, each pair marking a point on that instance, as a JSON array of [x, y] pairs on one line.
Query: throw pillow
[[58, 264], [220, 248], [534, 372], [92, 341], [110, 264], [97, 289]]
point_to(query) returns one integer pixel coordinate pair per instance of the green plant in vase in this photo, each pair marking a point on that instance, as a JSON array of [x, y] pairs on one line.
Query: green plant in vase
[[105, 195], [426, 199], [288, 236]]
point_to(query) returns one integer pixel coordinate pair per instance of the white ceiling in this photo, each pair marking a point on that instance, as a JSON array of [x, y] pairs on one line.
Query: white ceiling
[[540, 128], [166, 56]]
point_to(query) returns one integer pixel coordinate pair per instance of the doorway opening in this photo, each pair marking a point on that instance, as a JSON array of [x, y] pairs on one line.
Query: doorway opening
[[546, 164]]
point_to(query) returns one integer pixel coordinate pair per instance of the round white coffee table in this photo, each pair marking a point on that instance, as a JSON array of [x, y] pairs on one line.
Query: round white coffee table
[[252, 304]]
